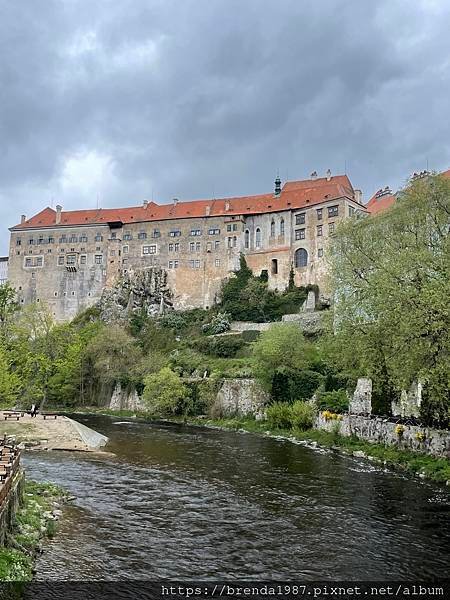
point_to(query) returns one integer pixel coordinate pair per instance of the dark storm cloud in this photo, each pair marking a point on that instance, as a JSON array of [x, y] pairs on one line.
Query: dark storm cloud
[[128, 98]]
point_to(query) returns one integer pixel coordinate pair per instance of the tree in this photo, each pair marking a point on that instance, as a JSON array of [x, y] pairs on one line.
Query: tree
[[164, 392], [8, 303], [390, 276], [282, 349], [9, 382]]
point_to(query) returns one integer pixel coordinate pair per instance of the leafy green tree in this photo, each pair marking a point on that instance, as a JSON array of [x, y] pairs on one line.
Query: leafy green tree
[[282, 349], [8, 303], [391, 282], [164, 392], [9, 382]]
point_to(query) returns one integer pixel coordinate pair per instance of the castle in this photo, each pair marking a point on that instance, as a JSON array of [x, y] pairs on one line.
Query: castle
[[67, 258]]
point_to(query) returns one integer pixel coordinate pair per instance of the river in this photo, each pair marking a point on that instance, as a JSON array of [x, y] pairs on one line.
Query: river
[[182, 502]]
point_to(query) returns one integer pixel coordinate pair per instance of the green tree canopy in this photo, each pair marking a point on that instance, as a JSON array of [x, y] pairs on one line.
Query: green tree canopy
[[391, 286]]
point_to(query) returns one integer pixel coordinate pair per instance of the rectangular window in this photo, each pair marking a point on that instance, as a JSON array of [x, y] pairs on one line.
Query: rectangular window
[[300, 234], [51, 240], [83, 259], [333, 211], [98, 238], [60, 260], [351, 211], [127, 236], [73, 239], [125, 249], [170, 264], [71, 259], [18, 242], [170, 247], [149, 249], [112, 253], [175, 264], [319, 230], [197, 264], [234, 226], [142, 235], [196, 232], [40, 241], [214, 231], [98, 259], [217, 262], [319, 214], [175, 233], [83, 239], [198, 246], [230, 242], [191, 246], [300, 219], [229, 227], [63, 239], [216, 245], [28, 262], [31, 242], [39, 261], [156, 233], [320, 252], [113, 235], [331, 228], [177, 246]]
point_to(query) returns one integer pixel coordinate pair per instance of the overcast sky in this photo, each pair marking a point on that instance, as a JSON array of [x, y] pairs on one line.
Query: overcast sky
[[118, 101]]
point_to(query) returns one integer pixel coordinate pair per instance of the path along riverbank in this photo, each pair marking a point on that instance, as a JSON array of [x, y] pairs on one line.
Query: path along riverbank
[[50, 433]]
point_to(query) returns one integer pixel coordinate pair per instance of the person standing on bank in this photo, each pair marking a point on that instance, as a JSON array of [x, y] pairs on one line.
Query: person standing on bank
[[33, 410]]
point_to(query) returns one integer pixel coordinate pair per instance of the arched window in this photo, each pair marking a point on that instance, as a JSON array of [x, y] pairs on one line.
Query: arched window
[[258, 238], [301, 258], [272, 228], [247, 238], [282, 227]]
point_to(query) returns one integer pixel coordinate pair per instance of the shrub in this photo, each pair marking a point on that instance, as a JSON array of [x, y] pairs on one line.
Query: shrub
[[335, 401], [220, 323], [164, 392], [173, 320], [302, 415], [289, 385], [224, 346], [251, 335], [279, 415]]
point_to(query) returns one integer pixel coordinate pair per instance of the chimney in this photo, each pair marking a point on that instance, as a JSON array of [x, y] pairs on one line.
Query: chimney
[[227, 205], [145, 203], [175, 201], [277, 186], [314, 175], [328, 175], [358, 196], [23, 218], [58, 214], [208, 211]]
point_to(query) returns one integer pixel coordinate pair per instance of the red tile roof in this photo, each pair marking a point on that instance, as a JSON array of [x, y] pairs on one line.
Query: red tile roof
[[294, 195], [379, 203]]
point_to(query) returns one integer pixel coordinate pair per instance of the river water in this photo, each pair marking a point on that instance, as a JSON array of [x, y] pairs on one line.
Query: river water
[[180, 502]]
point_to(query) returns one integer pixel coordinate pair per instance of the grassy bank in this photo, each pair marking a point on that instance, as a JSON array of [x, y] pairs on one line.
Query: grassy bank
[[35, 521]]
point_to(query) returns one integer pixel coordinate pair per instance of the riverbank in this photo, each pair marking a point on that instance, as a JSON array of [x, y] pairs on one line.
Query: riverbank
[[61, 433], [414, 463], [35, 520]]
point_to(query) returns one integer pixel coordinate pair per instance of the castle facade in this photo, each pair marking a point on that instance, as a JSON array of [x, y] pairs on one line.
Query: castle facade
[[67, 258]]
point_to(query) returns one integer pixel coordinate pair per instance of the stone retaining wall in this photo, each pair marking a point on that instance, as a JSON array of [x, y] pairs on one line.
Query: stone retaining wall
[[436, 442], [239, 397]]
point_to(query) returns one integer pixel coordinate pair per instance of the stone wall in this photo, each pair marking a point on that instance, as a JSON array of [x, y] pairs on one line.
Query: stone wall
[[375, 429], [248, 326], [123, 399], [10, 505], [239, 397]]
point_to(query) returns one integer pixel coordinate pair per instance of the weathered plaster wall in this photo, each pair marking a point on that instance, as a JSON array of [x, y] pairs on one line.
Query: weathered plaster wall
[[239, 397]]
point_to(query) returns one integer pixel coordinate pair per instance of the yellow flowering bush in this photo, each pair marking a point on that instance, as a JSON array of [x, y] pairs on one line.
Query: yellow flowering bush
[[331, 416], [420, 436], [399, 429]]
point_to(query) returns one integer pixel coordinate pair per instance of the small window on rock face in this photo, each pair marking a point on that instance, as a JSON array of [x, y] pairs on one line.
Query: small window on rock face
[[274, 266]]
